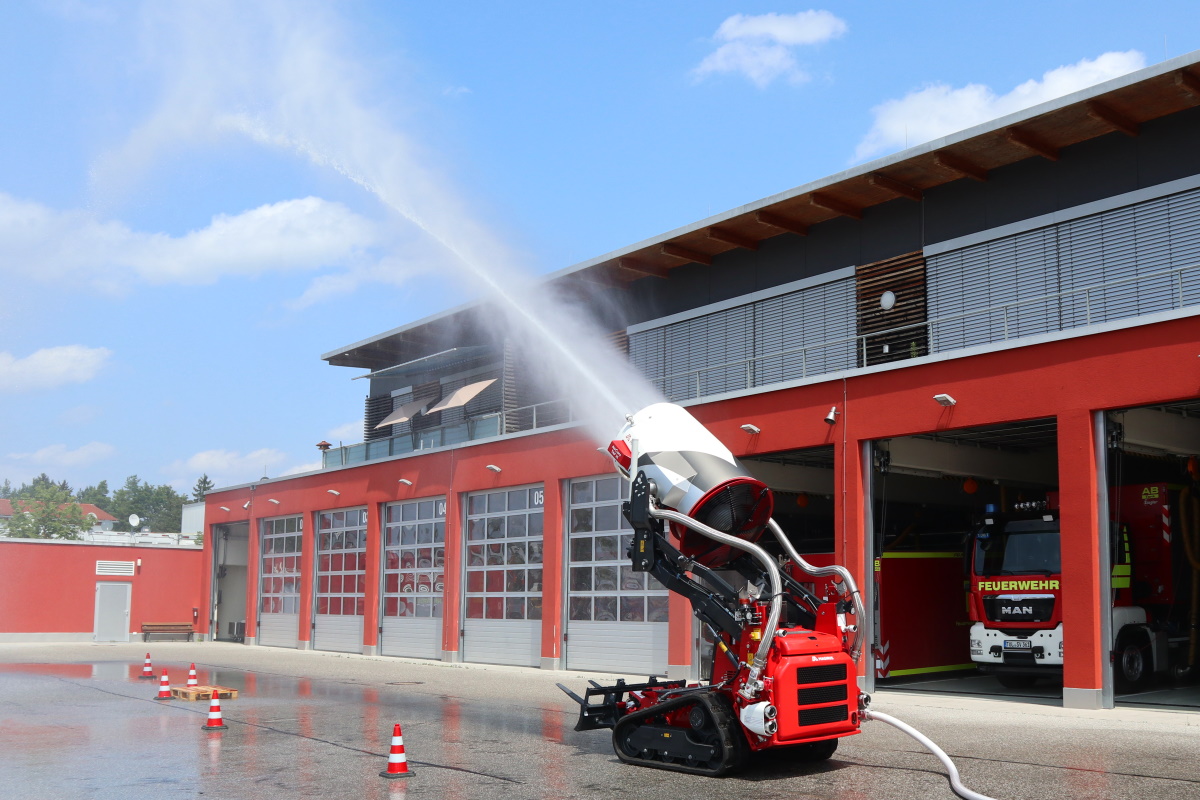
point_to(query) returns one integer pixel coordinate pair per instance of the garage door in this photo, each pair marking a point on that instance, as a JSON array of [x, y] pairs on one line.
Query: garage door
[[414, 552], [279, 581], [503, 609], [341, 580], [616, 618]]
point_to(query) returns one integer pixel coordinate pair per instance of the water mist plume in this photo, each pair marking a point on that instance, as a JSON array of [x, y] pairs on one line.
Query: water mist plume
[[279, 74]]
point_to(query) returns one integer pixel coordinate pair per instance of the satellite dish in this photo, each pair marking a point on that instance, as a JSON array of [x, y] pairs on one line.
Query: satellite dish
[[134, 520]]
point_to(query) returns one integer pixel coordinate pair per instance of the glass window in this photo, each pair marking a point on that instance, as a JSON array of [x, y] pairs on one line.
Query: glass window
[[342, 563], [279, 565], [414, 558], [602, 585], [504, 578]]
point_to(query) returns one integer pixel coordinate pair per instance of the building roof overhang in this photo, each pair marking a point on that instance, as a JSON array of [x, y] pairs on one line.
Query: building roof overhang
[[1120, 105]]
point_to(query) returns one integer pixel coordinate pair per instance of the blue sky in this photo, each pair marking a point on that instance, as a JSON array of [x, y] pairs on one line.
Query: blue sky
[[198, 199]]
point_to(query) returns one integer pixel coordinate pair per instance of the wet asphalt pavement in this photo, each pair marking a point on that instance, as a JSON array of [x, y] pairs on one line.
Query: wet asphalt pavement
[[77, 722]]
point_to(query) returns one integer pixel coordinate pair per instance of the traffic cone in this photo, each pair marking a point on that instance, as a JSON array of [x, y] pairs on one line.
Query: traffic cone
[[164, 688], [397, 762], [214, 722], [192, 677], [147, 670]]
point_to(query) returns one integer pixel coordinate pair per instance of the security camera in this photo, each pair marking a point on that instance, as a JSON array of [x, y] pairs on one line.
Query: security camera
[[831, 417]]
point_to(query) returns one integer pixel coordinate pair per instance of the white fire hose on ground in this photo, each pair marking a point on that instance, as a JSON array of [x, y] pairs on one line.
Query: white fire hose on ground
[[955, 783]]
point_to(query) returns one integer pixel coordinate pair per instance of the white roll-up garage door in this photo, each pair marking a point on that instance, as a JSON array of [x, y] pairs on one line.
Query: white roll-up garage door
[[341, 580], [281, 541], [616, 618], [414, 553], [503, 608]]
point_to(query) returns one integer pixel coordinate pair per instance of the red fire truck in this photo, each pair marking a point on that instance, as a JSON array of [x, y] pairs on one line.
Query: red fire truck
[[1016, 586]]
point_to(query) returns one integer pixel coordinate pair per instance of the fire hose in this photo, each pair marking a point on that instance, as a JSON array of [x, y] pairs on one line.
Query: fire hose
[[955, 783]]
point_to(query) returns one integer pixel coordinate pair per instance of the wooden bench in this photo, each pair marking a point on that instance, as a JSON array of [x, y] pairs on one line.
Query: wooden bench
[[149, 628]]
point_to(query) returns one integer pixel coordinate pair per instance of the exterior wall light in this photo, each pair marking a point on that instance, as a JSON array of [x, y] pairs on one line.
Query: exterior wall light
[[831, 417], [223, 508], [751, 429], [405, 481], [493, 467], [887, 300], [272, 500], [945, 400], [246, 504], [334, 492]]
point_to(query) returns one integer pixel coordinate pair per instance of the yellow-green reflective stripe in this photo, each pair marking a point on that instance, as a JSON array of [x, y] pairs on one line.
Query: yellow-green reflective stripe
[[1122, 569], [1120, 583], [951, 668]]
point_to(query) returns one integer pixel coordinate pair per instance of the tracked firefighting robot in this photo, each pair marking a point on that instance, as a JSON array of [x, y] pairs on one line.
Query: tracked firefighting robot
[[784, 663]]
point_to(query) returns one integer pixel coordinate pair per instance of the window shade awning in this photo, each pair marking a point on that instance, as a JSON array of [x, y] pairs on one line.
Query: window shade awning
[[460, 397], [404, 413]]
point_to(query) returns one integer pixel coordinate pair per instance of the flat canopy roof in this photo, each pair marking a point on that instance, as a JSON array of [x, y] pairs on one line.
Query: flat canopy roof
[[1122, 104]]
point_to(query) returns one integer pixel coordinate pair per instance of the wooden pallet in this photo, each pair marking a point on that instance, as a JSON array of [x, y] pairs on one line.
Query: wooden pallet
[[203, 692]]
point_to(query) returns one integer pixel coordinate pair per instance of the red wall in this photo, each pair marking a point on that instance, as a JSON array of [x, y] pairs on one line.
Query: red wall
[[1067, 379], [50, 587]]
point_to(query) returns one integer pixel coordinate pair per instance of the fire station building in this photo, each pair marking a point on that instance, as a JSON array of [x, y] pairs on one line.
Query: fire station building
[[1001, 322]]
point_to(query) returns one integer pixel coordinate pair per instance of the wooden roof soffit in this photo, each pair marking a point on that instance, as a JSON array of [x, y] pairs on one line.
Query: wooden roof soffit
[[685, 254], [1032, 142], [962, 166], [1111, 117], [781, 223], [881, 181], [640, 269], [822, 200], [1188, 82], [729, 237]]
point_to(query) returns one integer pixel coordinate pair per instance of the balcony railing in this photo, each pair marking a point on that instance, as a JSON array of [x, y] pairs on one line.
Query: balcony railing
[[1152, 292], [485, 426]]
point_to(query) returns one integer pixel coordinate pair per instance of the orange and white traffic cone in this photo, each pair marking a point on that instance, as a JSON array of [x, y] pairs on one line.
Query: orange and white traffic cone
[[397, 766], [192, 677], [147, 670], [214, 723], [164, 688]]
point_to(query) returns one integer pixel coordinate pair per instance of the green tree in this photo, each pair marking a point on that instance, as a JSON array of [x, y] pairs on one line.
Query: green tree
[[6, 490], [49, 512], [203, 486], [96, 495], [160, 507]]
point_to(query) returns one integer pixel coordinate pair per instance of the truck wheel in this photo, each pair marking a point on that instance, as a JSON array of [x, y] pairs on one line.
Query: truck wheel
[[1132, 668], [1010, 681]]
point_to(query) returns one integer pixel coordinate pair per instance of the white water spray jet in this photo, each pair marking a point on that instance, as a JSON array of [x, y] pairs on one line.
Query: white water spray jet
[[287, 75]]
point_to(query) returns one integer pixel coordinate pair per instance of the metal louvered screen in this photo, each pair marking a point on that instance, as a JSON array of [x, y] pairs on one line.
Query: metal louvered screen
[[1109, 266], [114, 568], [806, 332]]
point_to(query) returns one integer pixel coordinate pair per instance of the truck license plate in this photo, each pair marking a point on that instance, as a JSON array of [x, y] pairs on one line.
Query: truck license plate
[[1017, 644]]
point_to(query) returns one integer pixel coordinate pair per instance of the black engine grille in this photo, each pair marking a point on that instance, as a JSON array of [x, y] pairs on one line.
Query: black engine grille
[[1034, 609], [821, 716], [816, 695], [825, 673]]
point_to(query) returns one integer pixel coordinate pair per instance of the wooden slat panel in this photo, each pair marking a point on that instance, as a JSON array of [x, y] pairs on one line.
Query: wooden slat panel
[[904, 276]]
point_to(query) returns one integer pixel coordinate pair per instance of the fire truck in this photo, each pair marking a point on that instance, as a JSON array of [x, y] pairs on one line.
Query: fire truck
[[1015, 587]]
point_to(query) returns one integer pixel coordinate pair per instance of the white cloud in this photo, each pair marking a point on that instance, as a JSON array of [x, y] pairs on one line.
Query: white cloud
[[58, 456], [761, 47], [50, 367], [350, 432], [228, 467], [940, 109], [80, 415], [289, 236]]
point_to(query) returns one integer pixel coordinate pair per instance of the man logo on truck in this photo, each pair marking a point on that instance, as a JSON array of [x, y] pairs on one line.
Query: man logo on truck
[[1016, 610]]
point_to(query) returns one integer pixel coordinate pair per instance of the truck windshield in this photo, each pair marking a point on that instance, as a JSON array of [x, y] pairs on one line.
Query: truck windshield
[[1027, 552]]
